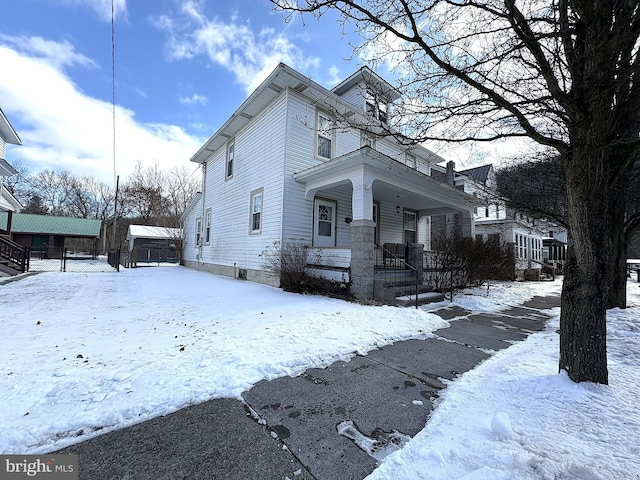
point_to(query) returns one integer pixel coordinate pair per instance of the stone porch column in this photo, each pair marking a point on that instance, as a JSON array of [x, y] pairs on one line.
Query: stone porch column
[[362, 237], [362, 258]]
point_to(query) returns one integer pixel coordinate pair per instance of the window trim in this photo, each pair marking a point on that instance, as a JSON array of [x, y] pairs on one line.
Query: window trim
[[198, 230], [318, 135], [230, 159], [256, 193], [404, 230], [207, 227]]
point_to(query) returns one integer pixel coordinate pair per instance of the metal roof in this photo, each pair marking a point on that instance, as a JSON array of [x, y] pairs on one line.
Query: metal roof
[[46, 224], [479, 174]]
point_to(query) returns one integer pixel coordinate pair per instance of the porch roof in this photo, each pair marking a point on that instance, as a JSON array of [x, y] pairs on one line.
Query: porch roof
[[391, 181]]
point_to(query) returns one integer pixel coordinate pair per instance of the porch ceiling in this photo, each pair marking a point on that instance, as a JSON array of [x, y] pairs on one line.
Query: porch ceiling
[[391, 182]]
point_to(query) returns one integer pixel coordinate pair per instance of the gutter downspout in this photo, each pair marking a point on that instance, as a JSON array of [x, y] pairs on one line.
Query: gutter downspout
[[203, 215]]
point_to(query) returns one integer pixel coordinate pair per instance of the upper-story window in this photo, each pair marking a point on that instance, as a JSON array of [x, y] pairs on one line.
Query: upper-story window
[[324, 135], [367, 140], [410, 160], [231, 154], [375, 107]]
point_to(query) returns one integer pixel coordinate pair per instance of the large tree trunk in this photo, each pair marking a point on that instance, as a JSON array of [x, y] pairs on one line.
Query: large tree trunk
[[583, 345]]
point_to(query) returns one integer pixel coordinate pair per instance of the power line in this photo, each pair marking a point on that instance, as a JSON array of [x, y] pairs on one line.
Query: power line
[[113, 86]]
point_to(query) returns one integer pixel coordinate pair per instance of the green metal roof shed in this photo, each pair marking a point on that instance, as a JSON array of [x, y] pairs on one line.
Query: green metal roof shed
[[45, 224]]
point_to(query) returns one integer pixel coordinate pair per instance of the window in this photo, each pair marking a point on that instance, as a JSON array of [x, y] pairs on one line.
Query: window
[[367, 140], [198, 230], [231, 153], [375, 108], [255, 219], [324, 135], [207, 228], [410, 160], [410, 224]]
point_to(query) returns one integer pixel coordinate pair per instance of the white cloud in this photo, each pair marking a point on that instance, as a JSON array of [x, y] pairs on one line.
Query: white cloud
[[194, 99], [233, 45], [60, 54], [101, 7], [63, 129]]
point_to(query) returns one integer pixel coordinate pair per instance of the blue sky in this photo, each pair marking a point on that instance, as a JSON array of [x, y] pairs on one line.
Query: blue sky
[[181, 69]]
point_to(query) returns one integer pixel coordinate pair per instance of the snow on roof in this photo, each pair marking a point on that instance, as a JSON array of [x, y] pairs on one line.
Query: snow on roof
[[145, 231]]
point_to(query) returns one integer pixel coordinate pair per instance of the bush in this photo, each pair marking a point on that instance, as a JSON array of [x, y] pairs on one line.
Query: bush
[[288, 261], [457, 262]]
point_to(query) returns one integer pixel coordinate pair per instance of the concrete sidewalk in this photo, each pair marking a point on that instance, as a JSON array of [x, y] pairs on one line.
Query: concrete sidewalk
[[327, 424]]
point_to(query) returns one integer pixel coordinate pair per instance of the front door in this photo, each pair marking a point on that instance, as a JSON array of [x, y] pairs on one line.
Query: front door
[[324, 223]]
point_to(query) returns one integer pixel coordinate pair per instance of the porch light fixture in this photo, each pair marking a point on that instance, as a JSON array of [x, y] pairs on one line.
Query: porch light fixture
[[398, 207]]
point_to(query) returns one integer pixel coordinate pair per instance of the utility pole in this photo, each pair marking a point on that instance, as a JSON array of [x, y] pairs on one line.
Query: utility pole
[[115, 213]]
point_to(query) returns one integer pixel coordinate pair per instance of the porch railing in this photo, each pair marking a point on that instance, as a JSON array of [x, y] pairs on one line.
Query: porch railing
[[394, 267], [14, 255]]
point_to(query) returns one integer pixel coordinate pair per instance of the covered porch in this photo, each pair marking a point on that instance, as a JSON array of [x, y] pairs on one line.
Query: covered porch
[[365, 200]]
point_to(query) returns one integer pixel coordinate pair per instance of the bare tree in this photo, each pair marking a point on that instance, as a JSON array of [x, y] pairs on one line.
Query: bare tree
[[18, 184], [181, 184], [563, 73], [143, 194]]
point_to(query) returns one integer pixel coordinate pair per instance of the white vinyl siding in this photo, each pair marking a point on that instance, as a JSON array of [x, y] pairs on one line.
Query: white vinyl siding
[[259, 150]]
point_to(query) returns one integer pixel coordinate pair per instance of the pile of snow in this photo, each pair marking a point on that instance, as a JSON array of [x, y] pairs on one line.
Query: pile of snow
[[83, 354], [515, 417]]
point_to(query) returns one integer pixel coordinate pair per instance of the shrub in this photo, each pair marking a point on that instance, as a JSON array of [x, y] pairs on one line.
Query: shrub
[[289, 262]]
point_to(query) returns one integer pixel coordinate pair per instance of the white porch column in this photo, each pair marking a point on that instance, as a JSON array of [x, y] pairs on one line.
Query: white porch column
[[362, 237], [362, 197]]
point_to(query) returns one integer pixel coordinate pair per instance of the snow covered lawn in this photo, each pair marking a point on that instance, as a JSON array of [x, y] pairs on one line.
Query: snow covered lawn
[[85, 353]]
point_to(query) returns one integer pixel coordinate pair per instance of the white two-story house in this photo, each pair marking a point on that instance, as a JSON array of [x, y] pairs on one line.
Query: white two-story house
[[534, 241], [299, 161]]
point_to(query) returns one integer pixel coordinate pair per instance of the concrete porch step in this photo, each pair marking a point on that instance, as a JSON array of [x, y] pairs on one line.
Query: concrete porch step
[[423, 299]]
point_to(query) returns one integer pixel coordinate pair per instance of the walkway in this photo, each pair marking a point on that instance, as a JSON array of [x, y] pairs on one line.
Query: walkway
[[327, 424]]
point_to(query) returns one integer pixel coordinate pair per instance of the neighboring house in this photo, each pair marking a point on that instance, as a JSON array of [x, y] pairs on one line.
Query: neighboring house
[[47, 235], [153, 244], [13, 258], [8, 203], [534, 241], [289, 164]]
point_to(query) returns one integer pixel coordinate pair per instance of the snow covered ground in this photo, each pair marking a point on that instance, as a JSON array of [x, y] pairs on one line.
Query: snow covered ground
[[84, 353]]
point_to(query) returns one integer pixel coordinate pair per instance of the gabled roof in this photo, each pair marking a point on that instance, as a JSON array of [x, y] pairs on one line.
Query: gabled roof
[[50, 225], [145, 231], [479, 174], [370, 78], [7, 132], [281, 78]]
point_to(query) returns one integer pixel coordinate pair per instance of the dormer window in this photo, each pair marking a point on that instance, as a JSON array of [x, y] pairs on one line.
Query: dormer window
[[375, 107], [367, 140]]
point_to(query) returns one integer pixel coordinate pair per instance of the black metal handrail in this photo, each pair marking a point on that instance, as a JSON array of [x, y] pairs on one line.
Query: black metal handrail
[[15, 254], [395, 259]]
